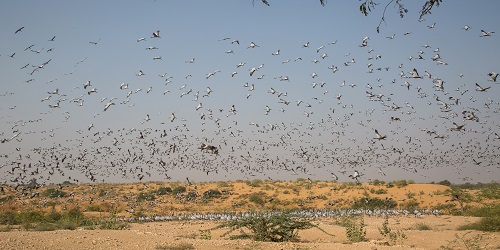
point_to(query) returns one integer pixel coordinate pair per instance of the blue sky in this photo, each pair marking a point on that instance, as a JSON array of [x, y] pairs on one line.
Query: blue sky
[[330, 131]]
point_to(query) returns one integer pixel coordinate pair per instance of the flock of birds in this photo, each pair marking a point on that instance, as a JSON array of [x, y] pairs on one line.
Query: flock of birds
[[269, 130]]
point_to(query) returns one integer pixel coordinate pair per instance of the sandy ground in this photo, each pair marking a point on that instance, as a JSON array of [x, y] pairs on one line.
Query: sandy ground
[[236, 197], [170, 234]]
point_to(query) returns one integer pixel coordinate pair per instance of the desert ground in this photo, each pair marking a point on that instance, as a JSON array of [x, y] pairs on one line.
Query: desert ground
[[143, 199]]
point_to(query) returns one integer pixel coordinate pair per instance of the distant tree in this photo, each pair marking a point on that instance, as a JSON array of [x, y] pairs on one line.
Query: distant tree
[[368, 6], [445, 183]]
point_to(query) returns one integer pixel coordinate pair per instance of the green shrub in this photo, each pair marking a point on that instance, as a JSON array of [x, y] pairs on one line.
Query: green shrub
[[490, 210], [53, 216], [491, 192], [410, 205], [54, 193], [180, 246], [255, 183], [400, 183], [257, 199], [30, 217], [445, 183], [377, 182], [178, 190], [280, 227], [355, 229], [8, 218], [485, 224], [373, 203], [191, 196], [145, 197], [163, 190], [94, 208], [212, 193], [420, 227], [391, 235]]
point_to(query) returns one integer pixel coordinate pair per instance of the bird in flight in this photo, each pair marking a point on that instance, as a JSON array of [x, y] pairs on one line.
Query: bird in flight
[[486, 33], [156, 34], [19, 30], [379, 136], [481, 89], [493, 76]]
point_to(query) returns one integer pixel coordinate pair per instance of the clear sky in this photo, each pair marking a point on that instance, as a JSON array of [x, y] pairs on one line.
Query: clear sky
[[318, 124]]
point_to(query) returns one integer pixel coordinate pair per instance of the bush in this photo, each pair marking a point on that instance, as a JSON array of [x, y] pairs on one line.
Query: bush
[[8, 218], [191, 196], [485, 224], [255, 183], [280, 227], [389, 234], [490, 210], [257, 199], [377, 182], [145, 197], [164, 190], [355, 231], [374, 203], [212, 194], [445, 183], [421, 227], [54, 193], [400, 183], [179, 190], [410, 205]]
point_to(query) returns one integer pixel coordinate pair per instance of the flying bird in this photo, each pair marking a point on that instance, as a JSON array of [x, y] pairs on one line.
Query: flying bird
[[156, 34], [379, 136]]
